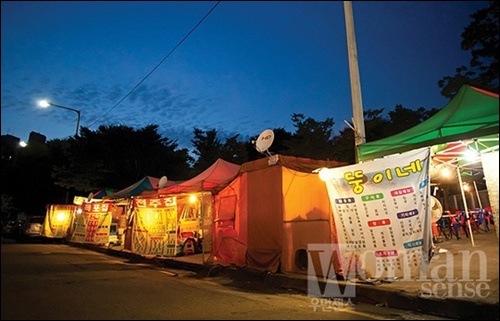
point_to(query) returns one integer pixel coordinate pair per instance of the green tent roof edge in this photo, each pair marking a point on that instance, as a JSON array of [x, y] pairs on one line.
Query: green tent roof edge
[[428, 134]]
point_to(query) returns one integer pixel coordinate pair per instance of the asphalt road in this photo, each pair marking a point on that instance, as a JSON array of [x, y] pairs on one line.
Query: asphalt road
[[57, 281]]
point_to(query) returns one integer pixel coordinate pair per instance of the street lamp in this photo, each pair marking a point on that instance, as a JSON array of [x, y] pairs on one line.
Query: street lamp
[[44, 103]]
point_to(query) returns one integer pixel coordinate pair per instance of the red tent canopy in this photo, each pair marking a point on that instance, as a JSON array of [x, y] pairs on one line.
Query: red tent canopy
[[216, 177]]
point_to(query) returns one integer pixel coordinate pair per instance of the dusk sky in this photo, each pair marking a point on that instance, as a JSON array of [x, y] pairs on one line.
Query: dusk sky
[[248, 66]]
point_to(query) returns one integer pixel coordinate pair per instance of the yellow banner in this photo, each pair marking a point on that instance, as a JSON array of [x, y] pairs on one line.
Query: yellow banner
[[58, 220], [155, 227]]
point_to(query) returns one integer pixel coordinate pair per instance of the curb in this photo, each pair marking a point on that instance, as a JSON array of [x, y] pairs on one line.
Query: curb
[[398, 299]]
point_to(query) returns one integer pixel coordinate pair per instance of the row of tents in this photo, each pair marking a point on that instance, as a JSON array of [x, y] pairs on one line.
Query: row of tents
[[259, 214], [264, 214]]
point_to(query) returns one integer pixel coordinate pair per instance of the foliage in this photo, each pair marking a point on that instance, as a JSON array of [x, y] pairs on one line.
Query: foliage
[[311, 139], [208, 148], [117, 156], [26, 181], [9, 210], [403, 118], [344, 146], [234, 151], [481, 37]]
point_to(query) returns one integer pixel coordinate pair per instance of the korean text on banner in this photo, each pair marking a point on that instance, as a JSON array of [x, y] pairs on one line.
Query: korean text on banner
[[382, 213], [92, 225], [155, 226]]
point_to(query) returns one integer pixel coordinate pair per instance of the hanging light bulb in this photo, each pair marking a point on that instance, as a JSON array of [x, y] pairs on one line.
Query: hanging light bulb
[[470, 154], [445, 172]]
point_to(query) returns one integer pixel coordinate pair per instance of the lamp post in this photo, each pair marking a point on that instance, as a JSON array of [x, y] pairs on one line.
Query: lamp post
[[44, 103]]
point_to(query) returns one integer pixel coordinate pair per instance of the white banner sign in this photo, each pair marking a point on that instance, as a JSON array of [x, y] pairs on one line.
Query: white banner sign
[[382, 214]]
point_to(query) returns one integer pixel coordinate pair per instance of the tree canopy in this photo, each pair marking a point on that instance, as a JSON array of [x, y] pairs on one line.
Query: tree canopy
[[481, 38]]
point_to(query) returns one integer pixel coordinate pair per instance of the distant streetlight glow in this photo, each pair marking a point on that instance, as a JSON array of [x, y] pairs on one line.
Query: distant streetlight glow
[[45, 103]]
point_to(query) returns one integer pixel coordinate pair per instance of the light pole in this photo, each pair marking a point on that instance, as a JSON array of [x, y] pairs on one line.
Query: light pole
[[44, 103]]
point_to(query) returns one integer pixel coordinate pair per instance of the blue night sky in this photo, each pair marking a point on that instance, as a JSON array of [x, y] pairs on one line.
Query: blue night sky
[[246, 67]]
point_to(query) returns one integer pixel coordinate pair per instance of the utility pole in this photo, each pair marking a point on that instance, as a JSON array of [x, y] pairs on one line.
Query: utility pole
[[357, 105]]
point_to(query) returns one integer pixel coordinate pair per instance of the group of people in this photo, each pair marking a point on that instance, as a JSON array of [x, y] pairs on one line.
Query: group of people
[[479, 218]]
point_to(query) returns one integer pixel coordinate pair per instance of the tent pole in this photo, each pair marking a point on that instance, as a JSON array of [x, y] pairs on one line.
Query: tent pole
[[202, 210], [477, 194], [466, 209]]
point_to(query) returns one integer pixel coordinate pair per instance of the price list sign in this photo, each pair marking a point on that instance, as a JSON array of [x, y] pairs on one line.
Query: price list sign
[[381, 211]]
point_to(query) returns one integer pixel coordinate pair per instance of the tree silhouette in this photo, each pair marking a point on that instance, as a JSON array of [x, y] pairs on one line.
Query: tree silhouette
[[26, 181], [209, 148], [402, 118], [481, 37], [312, 138], [118, 156]]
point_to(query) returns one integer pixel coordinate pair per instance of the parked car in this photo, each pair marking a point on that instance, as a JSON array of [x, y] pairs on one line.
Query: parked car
[[12, 228], [7, 228], [31, 229]]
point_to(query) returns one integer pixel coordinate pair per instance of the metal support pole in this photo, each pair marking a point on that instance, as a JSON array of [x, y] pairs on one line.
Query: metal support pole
[[465, 206]]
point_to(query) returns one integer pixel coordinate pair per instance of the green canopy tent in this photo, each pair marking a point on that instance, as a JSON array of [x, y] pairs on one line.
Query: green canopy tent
[[472, 113], [463, 154], [469, 122]]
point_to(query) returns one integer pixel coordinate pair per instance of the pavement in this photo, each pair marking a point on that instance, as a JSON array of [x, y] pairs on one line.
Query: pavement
[[461, 282]]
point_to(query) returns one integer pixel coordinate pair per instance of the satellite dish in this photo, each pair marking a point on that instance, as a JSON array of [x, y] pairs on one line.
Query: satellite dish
[[163, 182], [437, 209], [264, 141], [90, 197]]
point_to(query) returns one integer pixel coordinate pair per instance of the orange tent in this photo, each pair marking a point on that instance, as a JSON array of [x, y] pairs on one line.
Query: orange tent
[[267, 216]]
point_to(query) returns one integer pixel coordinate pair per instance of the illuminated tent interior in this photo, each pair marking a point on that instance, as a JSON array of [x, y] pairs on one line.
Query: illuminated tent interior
[[202, 187], [266, 217], [468, 124], [464, 157], [464, 154]]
